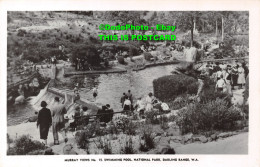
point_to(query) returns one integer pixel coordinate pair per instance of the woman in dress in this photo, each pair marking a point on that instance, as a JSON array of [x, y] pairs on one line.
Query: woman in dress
[[234, 76], [127, 104], [149, 102], [95, 93], [241, 76], [44, 121]]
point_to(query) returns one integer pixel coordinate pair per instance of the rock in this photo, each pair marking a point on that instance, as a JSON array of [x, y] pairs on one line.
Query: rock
[[48, 151], [209, 139], [187, 137], [153, 135], [234, 133], [158, 131], [173, 131], [196, 137], [163, 135], [245, 129], [214, 137], [223, 135], [68, 150], [203, 139], [165, 149], [176, 139], [239, 124], [19, 100], [157, 139], [164, 140]]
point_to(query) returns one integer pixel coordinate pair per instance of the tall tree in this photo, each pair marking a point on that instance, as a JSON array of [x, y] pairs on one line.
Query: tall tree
[[185, 22]]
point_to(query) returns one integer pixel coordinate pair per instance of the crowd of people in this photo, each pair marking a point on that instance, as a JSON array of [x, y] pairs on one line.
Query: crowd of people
[[141, 106], [226, 76], [24, 90]]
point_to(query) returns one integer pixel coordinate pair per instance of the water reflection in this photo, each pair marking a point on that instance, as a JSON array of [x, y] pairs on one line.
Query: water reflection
[[110, 89]]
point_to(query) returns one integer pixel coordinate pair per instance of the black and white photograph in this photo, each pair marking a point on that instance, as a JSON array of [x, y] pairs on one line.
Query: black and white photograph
[[127, 82]]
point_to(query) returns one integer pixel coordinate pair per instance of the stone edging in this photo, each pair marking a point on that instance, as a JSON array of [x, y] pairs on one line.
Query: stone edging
[[190, 138], [156, 64], [93, 72]]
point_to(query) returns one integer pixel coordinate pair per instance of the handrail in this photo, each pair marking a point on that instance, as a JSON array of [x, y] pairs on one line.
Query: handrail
[[21, 81]]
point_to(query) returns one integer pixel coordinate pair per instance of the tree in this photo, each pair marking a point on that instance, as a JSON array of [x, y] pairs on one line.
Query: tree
[[88, 53], [185, 22]]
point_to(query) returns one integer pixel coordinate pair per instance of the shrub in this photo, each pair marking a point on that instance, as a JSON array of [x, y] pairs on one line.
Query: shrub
[[121, 59], [210, 94], [112, 128], [213, 115], [88, 53], [104, 145], [148, 139], [126, 125], [163, 122], [151, 117], [147, 56], [82, 139], [128, 147], [24, 144], [195, 44], [169, 87], [21, 32], [179, 102]]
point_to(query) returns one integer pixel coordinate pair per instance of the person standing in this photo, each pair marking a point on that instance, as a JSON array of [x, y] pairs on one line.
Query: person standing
[[228, 80], [245, 69], [220, 84], [127, 105], [241, 76], [234, 76], [200, 92], [122, 100], [44, 121], [95, 93], [129, 94], [58, 122], [149, 102]]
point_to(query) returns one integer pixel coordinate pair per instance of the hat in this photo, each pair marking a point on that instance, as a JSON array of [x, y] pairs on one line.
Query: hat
[[201, 76], [77, 107], [43, 104]]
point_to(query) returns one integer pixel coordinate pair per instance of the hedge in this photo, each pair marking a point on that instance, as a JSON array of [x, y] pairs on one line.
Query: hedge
[[169, 87]]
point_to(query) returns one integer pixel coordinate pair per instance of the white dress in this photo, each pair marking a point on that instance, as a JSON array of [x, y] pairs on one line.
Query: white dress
[[149, 105], [241, 76]]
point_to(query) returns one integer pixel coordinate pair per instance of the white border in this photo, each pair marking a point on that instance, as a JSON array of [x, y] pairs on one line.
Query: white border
[[253, 157]]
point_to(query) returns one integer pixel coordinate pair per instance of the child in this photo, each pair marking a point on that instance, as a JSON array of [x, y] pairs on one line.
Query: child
[[220, 84]]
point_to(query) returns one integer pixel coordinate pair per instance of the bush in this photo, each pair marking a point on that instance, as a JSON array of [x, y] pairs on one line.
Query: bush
[[148, 139], [213, 115], [104, 145], [163, 122], [151, 117], [179, 102], [121, 59], [169, 87], [82, 139], [88, 53], [128, 147], [126, 125], [21, 33], [24, 144], [195, 44], [210, 94], [147, 56]]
